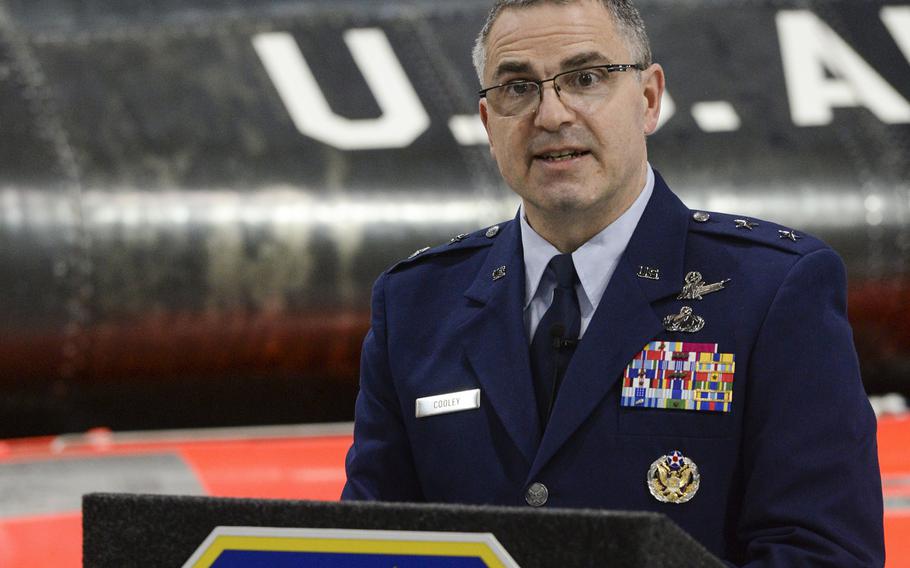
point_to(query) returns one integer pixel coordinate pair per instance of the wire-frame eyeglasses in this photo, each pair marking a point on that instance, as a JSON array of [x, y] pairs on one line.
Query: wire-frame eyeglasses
[[577, 88]]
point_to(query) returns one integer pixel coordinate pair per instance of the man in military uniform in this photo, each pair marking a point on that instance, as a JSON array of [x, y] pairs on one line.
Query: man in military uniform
[[609, 347]]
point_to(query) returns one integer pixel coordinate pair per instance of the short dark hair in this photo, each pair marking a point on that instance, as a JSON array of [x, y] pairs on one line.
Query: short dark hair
[[626, 16]]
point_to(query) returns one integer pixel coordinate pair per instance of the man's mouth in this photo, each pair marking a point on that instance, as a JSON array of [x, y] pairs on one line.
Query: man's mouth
[[561, 155]]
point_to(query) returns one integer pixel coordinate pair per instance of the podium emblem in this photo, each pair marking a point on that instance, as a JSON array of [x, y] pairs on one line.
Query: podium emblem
[[673, 478], [241, 547]]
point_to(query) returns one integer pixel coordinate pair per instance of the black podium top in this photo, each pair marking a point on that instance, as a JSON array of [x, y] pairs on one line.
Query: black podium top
[[154, 530]]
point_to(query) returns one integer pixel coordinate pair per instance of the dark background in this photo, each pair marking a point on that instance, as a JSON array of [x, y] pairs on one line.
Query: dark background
[[174, 252]]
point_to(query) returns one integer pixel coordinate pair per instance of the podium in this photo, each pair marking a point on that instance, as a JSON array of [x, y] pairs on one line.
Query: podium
[[159, 530]]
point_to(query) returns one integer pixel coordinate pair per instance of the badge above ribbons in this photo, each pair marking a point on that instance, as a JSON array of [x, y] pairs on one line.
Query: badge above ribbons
[[680, 375]]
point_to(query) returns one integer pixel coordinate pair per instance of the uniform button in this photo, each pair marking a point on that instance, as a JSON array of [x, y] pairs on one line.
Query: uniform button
[[537, 494], [701, 216]]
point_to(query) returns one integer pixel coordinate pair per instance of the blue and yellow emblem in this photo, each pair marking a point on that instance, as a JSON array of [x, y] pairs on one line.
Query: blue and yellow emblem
[[237, 547]]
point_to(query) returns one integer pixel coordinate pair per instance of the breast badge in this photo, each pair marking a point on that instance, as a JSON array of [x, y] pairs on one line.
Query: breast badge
[[685, 321], [673, 478], [695, 288]]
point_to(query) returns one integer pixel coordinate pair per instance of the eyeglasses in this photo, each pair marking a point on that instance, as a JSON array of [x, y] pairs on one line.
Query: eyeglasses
[[577, 89]]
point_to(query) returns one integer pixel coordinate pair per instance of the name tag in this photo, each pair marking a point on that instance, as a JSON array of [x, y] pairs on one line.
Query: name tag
[[449, 402]]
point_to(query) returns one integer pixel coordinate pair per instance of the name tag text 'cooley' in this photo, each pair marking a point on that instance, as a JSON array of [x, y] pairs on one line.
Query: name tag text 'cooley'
[[447, 402]]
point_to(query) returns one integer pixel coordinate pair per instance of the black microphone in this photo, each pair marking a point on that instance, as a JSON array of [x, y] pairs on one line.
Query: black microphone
[[557, 331]]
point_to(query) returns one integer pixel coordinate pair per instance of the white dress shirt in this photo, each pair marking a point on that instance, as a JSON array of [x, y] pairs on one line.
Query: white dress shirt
[[595, 261]]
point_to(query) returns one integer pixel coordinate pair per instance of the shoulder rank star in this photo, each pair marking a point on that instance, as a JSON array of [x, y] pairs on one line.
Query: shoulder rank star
[[745, 224], [685, 321], [673, 478], [693, 289], [418, 252], [788, 235]]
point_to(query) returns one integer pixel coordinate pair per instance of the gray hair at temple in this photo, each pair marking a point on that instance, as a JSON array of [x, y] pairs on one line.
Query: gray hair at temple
[[626, 16]]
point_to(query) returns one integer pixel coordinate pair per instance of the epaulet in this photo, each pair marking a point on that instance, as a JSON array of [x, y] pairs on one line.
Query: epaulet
[[753, 230], [463, 241]]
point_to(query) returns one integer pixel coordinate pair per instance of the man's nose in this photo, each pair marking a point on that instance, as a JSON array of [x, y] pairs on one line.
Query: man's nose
[[552, 112]]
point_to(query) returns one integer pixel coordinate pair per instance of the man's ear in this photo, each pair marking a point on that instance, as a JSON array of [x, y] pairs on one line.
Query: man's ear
[[485, 119], [653, 83]]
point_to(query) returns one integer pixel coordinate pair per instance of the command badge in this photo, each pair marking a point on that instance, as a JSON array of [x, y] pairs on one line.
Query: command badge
[[673, 478]]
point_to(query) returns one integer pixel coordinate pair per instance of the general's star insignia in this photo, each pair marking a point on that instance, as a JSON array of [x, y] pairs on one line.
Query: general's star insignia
[[419, 252], [745, 224], [788, 235]]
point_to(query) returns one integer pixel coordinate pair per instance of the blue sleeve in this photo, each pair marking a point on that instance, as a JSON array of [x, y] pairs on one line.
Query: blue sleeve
[[379, 464], [812, 486]]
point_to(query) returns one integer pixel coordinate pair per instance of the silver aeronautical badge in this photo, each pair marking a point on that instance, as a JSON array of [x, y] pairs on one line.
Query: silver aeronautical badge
[[693, 289], [685, 321], [673, 478], [499, 273]]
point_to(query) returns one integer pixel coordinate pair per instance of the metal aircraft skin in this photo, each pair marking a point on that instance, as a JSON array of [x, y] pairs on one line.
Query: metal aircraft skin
[[195, 197]]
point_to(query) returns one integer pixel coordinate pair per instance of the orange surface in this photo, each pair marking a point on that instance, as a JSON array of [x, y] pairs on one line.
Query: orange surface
[[43, 541], [313, 468], [897, 543], [279, 469], [894, 459], [302, 468], [893, 439]]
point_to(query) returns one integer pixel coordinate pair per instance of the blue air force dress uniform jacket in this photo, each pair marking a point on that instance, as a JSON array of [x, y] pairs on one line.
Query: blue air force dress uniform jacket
[[767, 404]]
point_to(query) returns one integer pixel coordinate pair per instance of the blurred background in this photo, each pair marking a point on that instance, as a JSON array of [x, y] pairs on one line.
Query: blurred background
[[196, 196]]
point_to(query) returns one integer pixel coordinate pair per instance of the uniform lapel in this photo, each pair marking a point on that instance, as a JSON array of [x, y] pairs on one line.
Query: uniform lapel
[[495, 340], [624, 321]]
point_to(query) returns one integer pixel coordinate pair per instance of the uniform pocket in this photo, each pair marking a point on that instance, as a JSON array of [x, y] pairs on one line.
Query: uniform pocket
[[671, 422]]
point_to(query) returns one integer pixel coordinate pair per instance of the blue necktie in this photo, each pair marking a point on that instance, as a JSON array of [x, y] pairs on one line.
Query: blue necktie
[[556, 336]]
